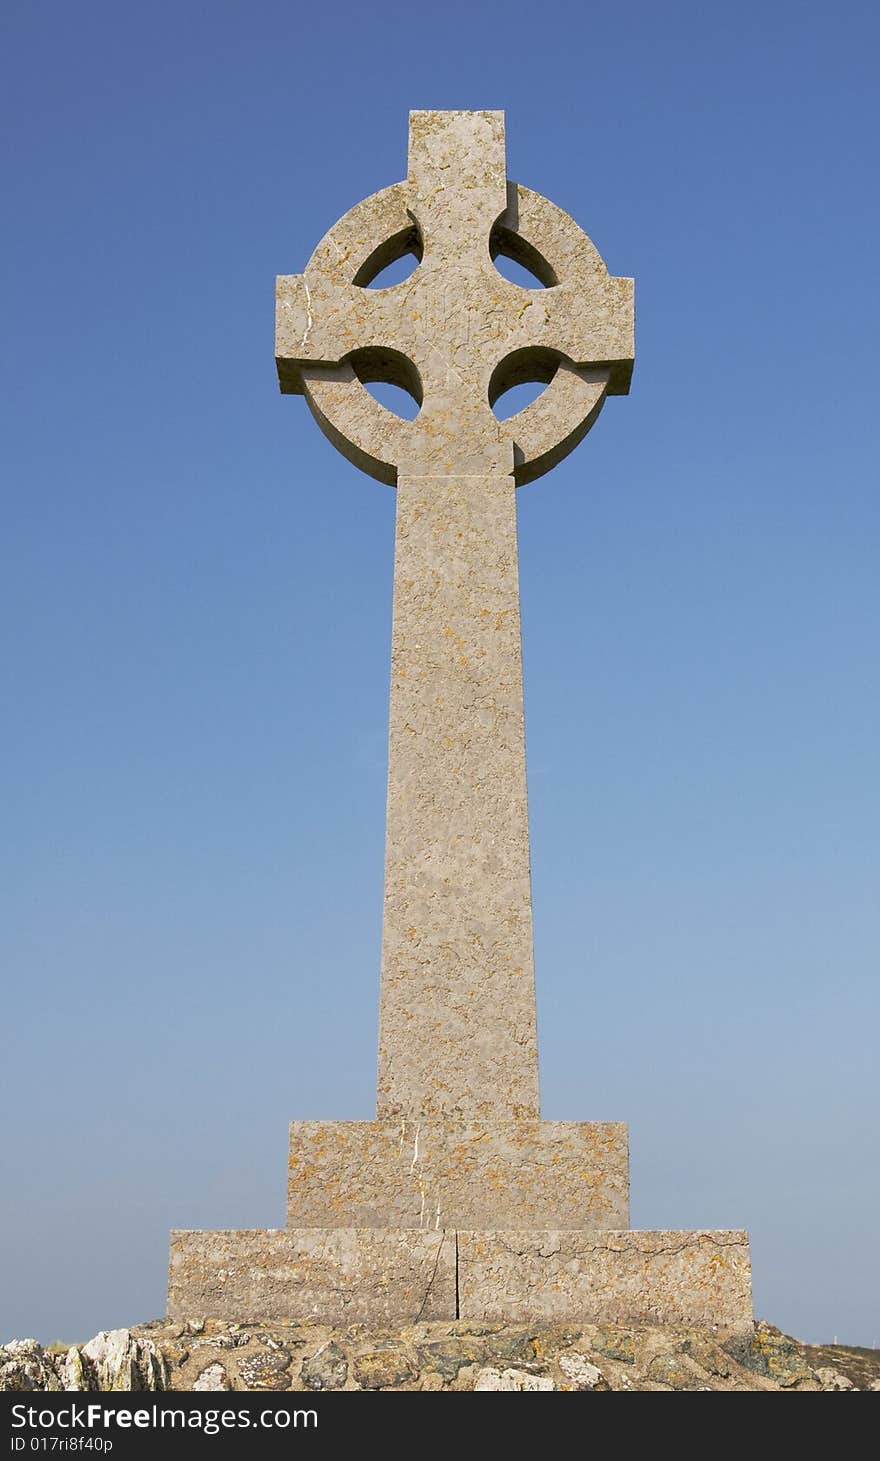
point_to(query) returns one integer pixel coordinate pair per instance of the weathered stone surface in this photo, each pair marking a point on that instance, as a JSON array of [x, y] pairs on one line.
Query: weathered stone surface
[[616, 1344], [649, 1277], [457, 1029], [175, 1353], [510, 1344], [118, 1360], [24, 1365], [327, 1369], [708, 1355], [491, 1379], [378, 1275], [212, 1377], [449, 1356], [265, 1371], [72, 1372], [767, 1351], [832, 1379], [446, 1355], [678, 1371], [345, 1275], [115, 1359], [430, 1174], [382, 1369], [581, 1374]]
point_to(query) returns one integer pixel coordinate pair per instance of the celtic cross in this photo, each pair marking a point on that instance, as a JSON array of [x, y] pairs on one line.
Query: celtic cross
[[457, 1026], [458, 1201]]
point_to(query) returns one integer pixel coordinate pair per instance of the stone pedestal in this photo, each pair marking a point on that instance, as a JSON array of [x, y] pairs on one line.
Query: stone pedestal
[[434, 1174], [509, 1222], [332, 1275], [398, 1276], [622, 1277], [390, 1223]]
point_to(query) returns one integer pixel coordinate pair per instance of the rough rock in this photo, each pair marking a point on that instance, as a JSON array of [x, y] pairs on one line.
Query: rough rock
[[581, 1374], [25, 1366], [616, 1344], [710, 1357], [269, 1371], [767, 1351], [72, 1372], [120, 1361], [678, 1371], [490, 1379], [383, 1369], [512, 1344], [325, 1370], [447, 1356], [832, 1379], [437, 1356], [213, 1377]]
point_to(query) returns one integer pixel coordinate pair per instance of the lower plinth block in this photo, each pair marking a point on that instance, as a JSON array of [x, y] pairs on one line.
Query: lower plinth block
[[440, 1173], [393, 1277], [701, 1278], [334, 1276]]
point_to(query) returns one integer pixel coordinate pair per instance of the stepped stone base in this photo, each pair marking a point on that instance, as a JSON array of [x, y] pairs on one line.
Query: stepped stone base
[[437, 1174], [334, 1276], [401, 1276], [649, 1277]]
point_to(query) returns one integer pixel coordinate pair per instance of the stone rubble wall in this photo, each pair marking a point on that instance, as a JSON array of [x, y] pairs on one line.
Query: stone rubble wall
[[201, 1354]]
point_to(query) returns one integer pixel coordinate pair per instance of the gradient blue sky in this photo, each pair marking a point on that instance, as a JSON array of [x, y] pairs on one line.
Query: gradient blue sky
[[196, 616]]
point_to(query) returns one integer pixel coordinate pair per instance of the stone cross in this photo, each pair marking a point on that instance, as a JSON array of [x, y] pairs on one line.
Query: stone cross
[[457, 1201], [457, 1026]]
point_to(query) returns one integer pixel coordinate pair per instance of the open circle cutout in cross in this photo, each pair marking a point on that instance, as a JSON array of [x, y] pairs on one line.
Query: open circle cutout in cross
[[456, 333]]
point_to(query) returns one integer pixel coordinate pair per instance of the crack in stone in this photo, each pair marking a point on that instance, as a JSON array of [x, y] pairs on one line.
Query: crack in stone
[[415, 1155], [639, 1248], [433, 1276], [310, 321]]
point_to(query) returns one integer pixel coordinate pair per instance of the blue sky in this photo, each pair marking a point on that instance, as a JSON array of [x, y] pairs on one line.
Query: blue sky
[[196, 618]]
